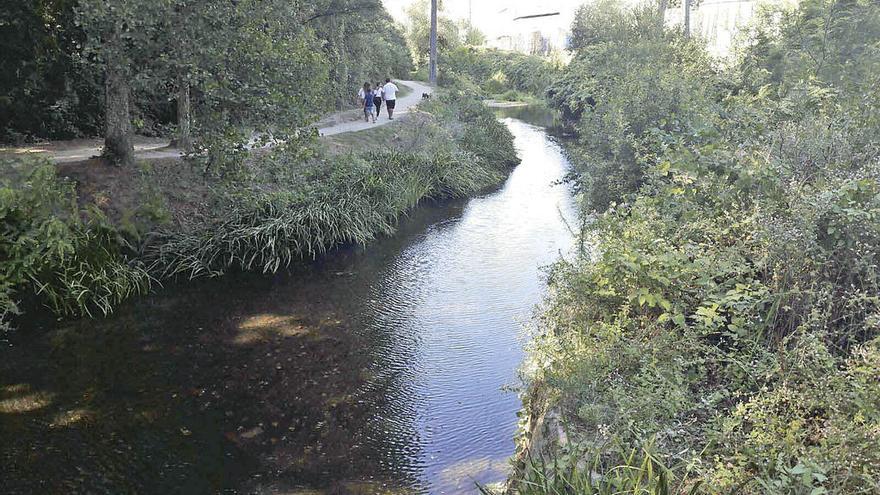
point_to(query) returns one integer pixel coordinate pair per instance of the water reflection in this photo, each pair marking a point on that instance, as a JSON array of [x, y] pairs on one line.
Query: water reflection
[[373, 370], [450, 339], [536, 115]]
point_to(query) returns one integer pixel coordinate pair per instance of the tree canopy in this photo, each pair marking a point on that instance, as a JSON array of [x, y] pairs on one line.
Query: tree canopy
[[208, 72]]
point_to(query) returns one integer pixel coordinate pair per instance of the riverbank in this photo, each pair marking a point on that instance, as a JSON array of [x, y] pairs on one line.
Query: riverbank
[[116, 233]]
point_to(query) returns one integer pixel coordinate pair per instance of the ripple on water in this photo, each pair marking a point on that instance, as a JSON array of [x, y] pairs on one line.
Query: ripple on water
[[447, 314]]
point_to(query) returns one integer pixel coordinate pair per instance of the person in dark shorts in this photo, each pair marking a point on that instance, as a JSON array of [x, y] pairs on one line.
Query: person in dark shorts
[[367, 96], [389, 93], [377, 98]]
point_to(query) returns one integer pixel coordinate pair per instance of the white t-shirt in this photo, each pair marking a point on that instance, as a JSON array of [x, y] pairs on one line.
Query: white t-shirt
[[378, 91], [390, 91], [361, 93]]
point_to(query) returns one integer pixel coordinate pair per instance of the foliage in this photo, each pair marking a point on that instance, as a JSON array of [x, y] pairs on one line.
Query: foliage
[[342, 199], [43, 90], [418, 31], [74, 260], [472, 35], [728, 307], [629, 82], [496, 71], [363, 44], [604, 22], [252, 65]]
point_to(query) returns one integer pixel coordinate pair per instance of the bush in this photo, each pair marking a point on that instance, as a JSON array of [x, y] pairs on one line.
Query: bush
[[496, 71], [73, 259], [631, 88], [727, 313]]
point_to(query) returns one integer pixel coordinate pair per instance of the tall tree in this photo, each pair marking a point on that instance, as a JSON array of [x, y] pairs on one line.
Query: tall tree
[[418, 31], [238, 70], [120, 36], [362, 43]]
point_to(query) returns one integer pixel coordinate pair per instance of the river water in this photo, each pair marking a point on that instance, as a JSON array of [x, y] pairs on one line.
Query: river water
[[374, 370]]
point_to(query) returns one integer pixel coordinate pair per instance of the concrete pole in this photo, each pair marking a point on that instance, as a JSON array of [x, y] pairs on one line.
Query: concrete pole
[[687, 18], [432, 68]]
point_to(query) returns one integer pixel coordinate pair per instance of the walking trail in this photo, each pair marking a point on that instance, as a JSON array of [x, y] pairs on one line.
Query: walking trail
[[159, 148]]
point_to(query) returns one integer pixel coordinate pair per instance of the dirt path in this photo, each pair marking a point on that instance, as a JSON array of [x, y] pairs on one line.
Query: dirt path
[[159, 148]]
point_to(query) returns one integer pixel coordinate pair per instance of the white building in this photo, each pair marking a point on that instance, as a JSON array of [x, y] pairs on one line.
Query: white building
[[535, 27], [716, 21]]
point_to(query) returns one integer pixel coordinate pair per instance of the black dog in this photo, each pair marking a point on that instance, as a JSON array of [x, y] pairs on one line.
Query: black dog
[[426, 96]]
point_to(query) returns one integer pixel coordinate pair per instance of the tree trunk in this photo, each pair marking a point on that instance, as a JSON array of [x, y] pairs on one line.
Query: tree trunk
[[662, 13], [117, 117], [184, 117]]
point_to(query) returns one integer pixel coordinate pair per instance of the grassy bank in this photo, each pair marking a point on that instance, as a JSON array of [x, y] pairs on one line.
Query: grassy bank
[[720, 335], [82, 247]]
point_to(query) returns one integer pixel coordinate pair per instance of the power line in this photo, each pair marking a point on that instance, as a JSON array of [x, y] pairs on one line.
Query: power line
[[535, 16]]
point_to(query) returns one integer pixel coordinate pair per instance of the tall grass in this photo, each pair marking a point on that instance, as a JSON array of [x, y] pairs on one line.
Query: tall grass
[[346, 199], [582, 472], [286, 207], [357, 199]]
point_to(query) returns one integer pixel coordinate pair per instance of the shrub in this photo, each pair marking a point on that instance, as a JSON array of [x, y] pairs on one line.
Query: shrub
[[496, 71], [727, 312], [73, 259]]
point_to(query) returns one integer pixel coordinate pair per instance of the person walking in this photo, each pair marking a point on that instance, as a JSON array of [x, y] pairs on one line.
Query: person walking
[[377, 98], [361, 93], [367, 96], [389, 93]]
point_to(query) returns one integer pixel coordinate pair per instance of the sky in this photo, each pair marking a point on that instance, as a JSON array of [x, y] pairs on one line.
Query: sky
[[495, 17]]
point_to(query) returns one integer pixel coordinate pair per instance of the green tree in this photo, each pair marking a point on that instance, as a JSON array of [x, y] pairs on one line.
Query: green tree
[[362, 43], [44, 89], [120, 38], [472, 35], [418, 31]]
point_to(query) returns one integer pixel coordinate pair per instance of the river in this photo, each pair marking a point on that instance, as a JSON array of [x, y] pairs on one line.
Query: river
[[373, 370]]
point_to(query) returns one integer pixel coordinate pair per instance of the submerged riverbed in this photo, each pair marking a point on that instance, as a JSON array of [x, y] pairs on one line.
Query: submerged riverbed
[[375, 370]]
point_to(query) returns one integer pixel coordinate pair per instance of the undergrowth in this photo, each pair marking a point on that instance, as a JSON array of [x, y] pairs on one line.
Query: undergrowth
[[262, 214], [71, 258], [727, 312]]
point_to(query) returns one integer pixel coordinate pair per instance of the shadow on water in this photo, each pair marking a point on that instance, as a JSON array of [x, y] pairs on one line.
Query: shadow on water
[[374, 370]]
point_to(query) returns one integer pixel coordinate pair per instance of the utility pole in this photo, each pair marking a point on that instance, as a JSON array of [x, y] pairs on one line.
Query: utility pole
[[687, 18], [432, 68]]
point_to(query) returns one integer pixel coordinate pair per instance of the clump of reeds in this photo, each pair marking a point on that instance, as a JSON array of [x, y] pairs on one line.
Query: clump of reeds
[[350, 201], [589, 472]]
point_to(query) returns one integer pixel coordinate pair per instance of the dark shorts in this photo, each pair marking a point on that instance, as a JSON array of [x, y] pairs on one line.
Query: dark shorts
[[390, 104]]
